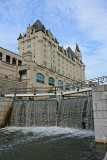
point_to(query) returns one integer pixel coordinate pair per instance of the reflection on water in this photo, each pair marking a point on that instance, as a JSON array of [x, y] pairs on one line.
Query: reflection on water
[[49, 143]]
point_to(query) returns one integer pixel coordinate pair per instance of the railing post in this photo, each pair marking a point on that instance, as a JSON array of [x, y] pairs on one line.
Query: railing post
[[55, 90], [34, 91]]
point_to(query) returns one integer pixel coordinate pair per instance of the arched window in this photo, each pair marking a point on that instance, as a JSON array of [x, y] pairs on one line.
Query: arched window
[[8, 59], [0, 56], [19, 62], [14, 61], [40, 78], [73, 87], [67, 86], [51, 81], [60, 84]]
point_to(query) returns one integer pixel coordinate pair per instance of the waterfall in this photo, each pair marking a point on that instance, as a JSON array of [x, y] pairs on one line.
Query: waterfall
[[76, 112], [34, 113]]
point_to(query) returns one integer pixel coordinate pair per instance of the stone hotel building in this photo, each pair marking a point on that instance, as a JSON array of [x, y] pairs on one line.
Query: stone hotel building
[[40, 62]]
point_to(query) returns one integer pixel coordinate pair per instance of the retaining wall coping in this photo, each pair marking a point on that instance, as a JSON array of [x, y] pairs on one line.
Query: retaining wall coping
[[99, 88]]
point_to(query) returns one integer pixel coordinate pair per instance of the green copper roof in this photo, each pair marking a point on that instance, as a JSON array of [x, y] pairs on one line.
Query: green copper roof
[[73, 54]]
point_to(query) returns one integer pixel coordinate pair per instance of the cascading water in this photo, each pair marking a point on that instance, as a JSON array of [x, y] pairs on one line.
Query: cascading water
[[45, 130], [75, 112], [34, 113]]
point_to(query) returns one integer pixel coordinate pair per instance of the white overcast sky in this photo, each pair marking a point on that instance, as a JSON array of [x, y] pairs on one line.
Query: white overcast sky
[[71, 21]]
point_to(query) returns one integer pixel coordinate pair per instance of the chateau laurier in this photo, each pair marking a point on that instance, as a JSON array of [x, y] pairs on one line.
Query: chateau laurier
[[41, 62]]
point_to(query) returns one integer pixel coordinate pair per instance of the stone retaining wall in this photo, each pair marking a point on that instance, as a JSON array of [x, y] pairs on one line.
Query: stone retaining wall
[[5, 110], [99, 94], [6, 84]]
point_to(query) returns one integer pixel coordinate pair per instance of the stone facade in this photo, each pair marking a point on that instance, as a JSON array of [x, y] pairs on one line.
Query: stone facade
[[41, 62], [6, 105], [99, 94], [7, 85]]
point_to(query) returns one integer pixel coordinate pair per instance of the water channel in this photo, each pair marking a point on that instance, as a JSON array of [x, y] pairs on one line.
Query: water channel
[[49, 143], [45, 130]]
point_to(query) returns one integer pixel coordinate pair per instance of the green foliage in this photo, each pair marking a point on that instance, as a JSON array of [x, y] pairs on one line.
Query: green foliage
[[50, 90]]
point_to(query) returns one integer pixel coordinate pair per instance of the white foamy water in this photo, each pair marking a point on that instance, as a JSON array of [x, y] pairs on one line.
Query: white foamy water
[[51, 131], [47, 143]]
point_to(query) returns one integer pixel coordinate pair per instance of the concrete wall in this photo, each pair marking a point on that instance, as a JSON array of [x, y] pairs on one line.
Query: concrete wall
[[99, 94], [5, 110]]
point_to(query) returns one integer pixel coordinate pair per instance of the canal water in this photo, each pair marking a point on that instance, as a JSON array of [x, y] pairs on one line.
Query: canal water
[[49, 143]]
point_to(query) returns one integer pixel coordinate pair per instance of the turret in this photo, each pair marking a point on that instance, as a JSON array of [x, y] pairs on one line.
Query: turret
[[78, 52]]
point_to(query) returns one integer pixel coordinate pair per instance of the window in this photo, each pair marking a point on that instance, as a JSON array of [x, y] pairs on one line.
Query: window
[[63, 72], [19, 62], [60, 84], [44, 63], [54, 68], [29, 41], [44, 51], [14, 61], [44, 56], [78, 88], [58, 70], [73, 87], [67, 86], [0, 56], [23, 77], [51, 81], [29, 46], [39, 78], [8, 59]]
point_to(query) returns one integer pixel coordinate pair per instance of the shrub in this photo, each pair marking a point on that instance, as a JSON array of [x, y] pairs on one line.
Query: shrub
[[50, 90]]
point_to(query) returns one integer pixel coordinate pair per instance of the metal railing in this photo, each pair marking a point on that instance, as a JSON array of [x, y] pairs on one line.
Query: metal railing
[[97, 81], [36, 90]]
